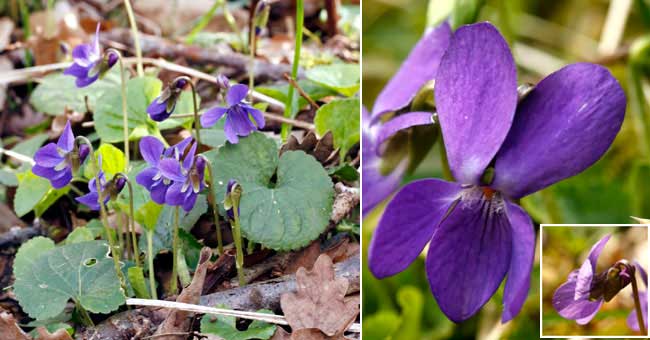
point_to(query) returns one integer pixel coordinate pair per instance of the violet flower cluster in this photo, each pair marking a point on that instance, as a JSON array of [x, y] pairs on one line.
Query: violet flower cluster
[[499, 149], [173, 176], [89, 63]]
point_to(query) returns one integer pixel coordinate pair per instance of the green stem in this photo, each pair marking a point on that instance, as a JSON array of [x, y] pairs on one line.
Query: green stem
[[103, 215], [85, 317], [637, 306], [173, 287], [236, 233], [136, 39], [212, 196], [251, 67], [183, 270], [125, 114], [233, 24], [204, 21], [152, 279], [197, 126], [131, 223], [300, 18]]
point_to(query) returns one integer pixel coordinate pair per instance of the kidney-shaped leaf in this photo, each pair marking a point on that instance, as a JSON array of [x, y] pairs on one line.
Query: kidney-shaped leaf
[[282, 212], [83, 272], [343, 78]]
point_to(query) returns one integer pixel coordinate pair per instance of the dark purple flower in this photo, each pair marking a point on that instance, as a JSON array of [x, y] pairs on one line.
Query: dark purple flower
[[89, 63], [419, 68], [188, 178], [632, 320], [476, 234], [154, 153], [572, 300], [238, 114], [109, 189], [57, 162], [163, 106]]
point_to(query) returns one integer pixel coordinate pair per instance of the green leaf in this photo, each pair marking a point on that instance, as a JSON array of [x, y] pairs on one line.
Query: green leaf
[[136, 278], [342, 118], [465, 12], [79, 235], [279, 92], [343, 78], [35, 193], [225, 327], [30, 146], [147, 215], [80, 271], [381, 325], [112, 160], [8, 178], [411, 302], [344, 172], [140, 92], [56, 92], [286, 214]]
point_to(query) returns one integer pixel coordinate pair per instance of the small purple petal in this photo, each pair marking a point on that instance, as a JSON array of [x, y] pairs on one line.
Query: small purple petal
[[583, 281], [236, 94], [85, 81], [48, 156], [257, 115], [84, 56], [408, 223], [469, 255], [178, 149], [632, 320], [419, 67], [561, 128], [145, 177], [211, 116], [158, 110], [174, 196], [62, 178], [229, 131], [171, 168], [476, 96], [402, 122], [189, 202], [77, 71], [158, 193], [66, 141], [189, 158], [45, 172], [151, 149], [565, 304], [90, 200], [521, 262], [595, 251]]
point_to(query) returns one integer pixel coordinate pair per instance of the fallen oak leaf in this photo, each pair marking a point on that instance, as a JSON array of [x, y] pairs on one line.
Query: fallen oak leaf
[[319, 301], [9, 328]]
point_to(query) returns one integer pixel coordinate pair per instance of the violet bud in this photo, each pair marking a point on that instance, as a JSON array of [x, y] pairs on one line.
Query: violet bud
[[223, 83], [262, 11], [163, 106]]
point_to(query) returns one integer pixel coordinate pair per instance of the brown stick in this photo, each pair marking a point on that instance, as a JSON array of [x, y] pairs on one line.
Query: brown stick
[[294, 83]]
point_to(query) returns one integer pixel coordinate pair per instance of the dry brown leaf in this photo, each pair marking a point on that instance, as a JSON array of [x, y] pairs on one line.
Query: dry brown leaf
[[179, 321], [305, 257], [322, 149], [319, 301], [9, 328]]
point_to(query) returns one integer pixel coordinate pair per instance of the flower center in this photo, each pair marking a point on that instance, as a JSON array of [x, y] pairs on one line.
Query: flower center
[[484, 198]]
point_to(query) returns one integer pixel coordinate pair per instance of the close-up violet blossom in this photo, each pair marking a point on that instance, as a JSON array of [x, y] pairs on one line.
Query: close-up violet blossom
[[419, 67], [154, 153], [56, 162], [163, 106], [499, 150], [89, 63], [239, 115]]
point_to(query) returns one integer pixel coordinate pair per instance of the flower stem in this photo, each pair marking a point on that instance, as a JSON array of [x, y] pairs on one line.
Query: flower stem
[[131, 223], [232, 23], [300, 18], [125, 114], [251, 68], [197, 126], [236, 233], [152, 279], [212, 196], [85, 317], [134, 32], [173, 287], [103, 215], [637, 305]]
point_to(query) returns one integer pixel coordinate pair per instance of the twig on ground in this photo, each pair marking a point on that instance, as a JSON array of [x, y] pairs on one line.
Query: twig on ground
[[294, 83]]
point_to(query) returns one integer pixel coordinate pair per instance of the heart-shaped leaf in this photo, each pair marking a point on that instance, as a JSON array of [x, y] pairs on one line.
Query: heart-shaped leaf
[[286, 201], [343, 78], [35, 193], [342, 118], [225, 327], [47, 277]]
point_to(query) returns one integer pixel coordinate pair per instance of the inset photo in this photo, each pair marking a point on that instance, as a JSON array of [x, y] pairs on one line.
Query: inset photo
[[594, 280]]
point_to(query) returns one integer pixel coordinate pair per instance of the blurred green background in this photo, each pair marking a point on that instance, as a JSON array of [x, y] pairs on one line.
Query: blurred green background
[[544, 36], [564, 249]]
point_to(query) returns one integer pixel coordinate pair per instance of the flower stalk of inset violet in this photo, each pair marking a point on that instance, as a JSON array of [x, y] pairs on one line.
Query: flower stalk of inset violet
[[134, 32], [125, 114], [231, 204], [131, 222], [637, 301], [102, 212], [197, 125], [152, 279], [260, 19], [212, 197], [300, 18], [173, 287]]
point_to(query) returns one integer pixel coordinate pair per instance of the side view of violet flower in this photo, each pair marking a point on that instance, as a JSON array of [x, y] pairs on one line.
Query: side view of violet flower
[[91, 199], [89, 63], [238, 115], [632, 320], [163, 106], [57, 162], [153, 151], [499, 150], [419, 67], [188, 179]]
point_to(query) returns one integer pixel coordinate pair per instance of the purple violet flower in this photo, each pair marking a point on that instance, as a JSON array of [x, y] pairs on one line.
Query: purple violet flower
[[632, 320], [57, 162], [163, 106], [419, 67], [91, 199], [154, 153], [88, 62], [188, 179], [476, 233], [238, 114]]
